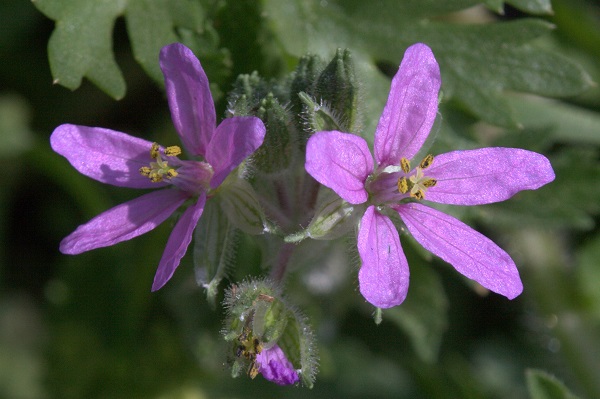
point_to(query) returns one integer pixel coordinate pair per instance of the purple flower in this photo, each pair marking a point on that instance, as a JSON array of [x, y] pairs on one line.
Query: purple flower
[[343, 162], [122, 160], [275, 367]]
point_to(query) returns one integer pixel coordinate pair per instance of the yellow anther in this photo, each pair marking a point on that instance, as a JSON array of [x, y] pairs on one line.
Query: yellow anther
[[154, 150], [254, 369], [145, 171], [405, 165], [429, 183], [172, 151], [403, 185], [426, 162], [418, 194], [159, 170], [155, 177]]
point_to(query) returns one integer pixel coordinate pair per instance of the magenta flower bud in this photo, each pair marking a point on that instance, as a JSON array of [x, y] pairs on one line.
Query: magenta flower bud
[[275, 367]]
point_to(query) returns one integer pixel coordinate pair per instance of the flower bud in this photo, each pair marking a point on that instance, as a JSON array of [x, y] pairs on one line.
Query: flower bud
[[275, 153], [246, 94], [304, 81], [267, 335], [337, 87]]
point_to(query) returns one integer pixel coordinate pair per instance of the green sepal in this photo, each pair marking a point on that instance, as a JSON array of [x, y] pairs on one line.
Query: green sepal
[[240, 203], [333, 218], [215, 241], [318, 116], [298, 343]]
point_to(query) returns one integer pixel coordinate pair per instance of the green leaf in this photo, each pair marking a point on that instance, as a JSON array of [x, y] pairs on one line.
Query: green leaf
[[151, 25], [81, 44], [566, 123], [532, 6], [478, 61], [240, 204], [538, 7], [542, 385], [423, 315]]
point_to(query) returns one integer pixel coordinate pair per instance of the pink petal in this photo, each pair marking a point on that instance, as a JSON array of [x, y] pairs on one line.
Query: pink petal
[[384, 275], [124, 221], [190, 100], [486, 175], [234, 140], [104, 155], [411, 107], [471, 253], [275, 366], [178, 242], [340, 161]]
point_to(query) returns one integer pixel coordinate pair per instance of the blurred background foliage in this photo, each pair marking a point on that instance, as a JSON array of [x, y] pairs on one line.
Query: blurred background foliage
[[88, 326]]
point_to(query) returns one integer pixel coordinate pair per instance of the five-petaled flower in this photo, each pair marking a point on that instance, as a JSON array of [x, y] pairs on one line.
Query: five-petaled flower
[[343, 162], [122, 160]]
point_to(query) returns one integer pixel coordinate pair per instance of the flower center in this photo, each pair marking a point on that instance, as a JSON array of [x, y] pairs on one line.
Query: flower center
[[158, 170], [418, 183]]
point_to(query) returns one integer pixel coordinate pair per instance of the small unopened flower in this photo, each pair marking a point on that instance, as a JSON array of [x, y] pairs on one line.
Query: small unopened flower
[[343, 162], [119, 159], [275, 367]]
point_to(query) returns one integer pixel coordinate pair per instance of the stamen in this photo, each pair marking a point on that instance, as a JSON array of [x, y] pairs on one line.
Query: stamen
[[426, 162], [154, 151], [155, 177], [172, 151], [405, 165], [429, 183], [159, 170], [145, 171], [403, 185], [418, 194]]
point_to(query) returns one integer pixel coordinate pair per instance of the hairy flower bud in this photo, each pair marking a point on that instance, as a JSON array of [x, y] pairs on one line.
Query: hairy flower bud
[[337, 87], [245, 97], [267, 335], [304, 81], [275, 153]]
